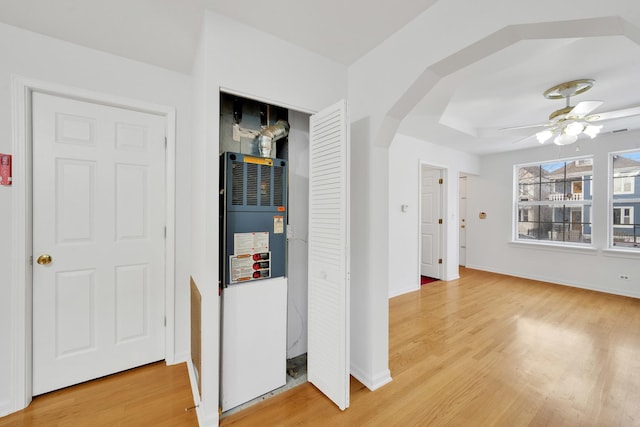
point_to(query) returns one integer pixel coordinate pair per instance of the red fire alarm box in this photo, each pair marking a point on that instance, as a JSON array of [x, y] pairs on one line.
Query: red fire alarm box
[[5, 169]]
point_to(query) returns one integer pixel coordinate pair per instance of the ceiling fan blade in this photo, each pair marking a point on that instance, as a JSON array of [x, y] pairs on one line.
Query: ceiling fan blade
[[521, 140], [616, 114], [539, 125], [583, 108]]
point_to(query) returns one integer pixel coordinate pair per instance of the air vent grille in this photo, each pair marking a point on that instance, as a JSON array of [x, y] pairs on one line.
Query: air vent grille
[[237, 189], [265, 185], [257, 185], [278, 186], [252, 184]]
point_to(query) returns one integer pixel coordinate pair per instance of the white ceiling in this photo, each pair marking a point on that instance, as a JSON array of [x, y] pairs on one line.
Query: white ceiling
[[337, 29], [159, 32], [468, 109], [463, 111]]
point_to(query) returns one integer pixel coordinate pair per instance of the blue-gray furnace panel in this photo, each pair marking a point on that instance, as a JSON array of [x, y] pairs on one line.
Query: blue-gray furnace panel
[[254, 199]]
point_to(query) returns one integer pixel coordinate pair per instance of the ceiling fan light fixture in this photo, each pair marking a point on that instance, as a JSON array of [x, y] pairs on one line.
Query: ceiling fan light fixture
[[592, 130], [569, 89], [574, 128], [565, 139], [566, 125], [544, 136]]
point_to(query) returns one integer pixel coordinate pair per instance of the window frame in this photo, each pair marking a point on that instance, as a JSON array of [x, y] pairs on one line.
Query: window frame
[[620, 200], [567, 204]]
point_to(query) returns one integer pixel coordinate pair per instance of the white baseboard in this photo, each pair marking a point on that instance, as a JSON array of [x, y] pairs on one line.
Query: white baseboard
[[207, 421], [554, 281], [203, 419], [403, 291], [180, 358], [6, 408], [371, 382]]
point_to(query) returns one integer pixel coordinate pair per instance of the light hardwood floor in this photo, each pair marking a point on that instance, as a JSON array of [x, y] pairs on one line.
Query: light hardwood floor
[[490, 350], [152, 395], [485, 350]]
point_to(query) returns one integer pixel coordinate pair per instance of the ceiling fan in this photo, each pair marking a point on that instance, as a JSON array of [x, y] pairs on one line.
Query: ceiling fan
[[567, 123]]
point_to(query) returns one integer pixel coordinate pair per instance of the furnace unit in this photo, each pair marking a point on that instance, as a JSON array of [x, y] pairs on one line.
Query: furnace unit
[[252, 265], [253, 224]]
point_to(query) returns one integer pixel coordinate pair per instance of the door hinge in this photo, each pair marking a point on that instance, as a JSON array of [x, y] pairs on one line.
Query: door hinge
[[439, 260], [440, 221], [165, 142], [165, 320], [441, 181], [165, 231]]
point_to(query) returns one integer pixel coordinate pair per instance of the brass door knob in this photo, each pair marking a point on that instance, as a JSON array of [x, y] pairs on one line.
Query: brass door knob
[[44, 259]]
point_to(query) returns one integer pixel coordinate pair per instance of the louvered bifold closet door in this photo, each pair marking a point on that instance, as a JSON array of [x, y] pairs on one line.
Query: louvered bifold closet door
[[328, 351]]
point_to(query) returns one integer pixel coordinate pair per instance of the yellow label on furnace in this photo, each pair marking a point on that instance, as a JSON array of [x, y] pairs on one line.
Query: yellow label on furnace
[[258, 160]]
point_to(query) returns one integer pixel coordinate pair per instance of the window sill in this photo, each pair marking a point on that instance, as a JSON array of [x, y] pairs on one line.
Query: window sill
[[622, 253], [579, 249]]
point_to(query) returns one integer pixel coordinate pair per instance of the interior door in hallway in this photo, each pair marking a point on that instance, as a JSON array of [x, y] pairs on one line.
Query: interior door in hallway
[[98, 240], [431, 222], [462, 208]]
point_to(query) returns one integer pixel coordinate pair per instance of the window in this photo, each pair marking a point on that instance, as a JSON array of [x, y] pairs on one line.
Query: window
[[625, 200], [623, 216], [623, 184], [554, 202]]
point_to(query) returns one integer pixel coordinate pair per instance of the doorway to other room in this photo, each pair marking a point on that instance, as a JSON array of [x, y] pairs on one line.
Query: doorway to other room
[[431, 222]]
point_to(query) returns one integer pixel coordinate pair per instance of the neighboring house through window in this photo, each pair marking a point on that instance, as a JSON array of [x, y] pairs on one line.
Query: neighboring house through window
[[554, 201], [625, 200], [623, 216]]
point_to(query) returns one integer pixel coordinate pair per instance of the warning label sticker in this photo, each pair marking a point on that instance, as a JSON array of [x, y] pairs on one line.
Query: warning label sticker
[[241, 268], [278, 224], [250, 243]]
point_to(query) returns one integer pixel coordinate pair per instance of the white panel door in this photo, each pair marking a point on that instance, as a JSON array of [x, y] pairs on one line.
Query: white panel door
[[429, 226], [98, 213], [328, 350]]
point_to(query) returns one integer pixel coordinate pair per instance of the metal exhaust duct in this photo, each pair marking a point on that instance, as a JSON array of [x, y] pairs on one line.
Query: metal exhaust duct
[[271, 134]]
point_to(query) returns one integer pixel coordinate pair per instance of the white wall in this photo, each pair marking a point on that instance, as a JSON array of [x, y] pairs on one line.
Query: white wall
[[489, 244], [384, 86], [406, 154], [297, 243], [257, 65], [49, 60]]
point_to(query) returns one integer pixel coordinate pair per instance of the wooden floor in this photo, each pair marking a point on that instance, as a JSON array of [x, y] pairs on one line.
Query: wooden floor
[[485, 350], [153, 395], [490, 350]]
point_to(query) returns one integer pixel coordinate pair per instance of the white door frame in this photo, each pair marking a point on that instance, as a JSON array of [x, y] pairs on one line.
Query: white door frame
[[462, 215], [442, 244], [22, 283]]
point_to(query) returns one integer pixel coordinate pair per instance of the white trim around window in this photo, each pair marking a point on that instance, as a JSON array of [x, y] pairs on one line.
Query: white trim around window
[[624, 201], [553, 203]]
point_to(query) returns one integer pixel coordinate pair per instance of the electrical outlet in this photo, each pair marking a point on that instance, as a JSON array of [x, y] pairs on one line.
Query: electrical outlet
[[623, 277]]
